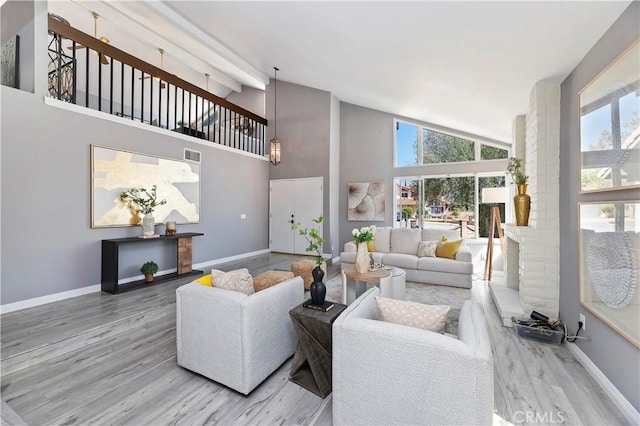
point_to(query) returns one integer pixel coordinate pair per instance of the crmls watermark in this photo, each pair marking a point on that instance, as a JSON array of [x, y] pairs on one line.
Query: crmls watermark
[[547, 417]]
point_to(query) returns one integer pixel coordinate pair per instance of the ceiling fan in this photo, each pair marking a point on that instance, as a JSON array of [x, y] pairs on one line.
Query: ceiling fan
[[162, 85], [103, 58]]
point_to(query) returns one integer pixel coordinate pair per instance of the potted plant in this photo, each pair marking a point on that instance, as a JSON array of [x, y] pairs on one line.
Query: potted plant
[[318, 289], [362, 236], [148, 269], [145, 201]]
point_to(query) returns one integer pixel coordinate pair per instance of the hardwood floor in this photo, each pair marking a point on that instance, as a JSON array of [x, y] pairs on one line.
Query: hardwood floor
[[111, 359]]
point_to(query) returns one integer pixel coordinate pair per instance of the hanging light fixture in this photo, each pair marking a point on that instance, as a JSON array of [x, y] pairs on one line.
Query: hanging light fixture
[[274, 143]]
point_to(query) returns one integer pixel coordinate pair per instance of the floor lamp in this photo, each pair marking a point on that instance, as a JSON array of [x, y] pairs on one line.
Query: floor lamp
[[493, 196]]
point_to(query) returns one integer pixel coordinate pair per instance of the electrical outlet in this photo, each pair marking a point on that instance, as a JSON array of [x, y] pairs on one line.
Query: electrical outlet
[[584, 324]]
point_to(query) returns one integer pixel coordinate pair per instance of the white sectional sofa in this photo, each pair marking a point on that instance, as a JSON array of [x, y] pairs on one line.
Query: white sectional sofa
[[399, 247]]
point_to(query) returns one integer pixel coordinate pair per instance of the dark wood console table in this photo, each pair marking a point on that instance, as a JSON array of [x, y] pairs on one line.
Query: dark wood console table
[[110, 250]]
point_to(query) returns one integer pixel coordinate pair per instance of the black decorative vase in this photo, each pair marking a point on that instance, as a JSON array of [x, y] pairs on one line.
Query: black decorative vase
[[317, 289]]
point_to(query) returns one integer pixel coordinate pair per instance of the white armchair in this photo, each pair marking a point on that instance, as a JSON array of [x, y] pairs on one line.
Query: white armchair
[[385, 373], [232, 338]]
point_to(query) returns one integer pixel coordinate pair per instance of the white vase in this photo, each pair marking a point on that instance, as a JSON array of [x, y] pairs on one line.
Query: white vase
[[362, 258], [148, 224]]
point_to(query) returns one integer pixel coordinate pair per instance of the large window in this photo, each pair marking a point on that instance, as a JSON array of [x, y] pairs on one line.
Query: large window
[[417, 145], [447, 202]]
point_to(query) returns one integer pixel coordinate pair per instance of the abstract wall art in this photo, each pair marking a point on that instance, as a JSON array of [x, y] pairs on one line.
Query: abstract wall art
[[114, 171], [365, 201]]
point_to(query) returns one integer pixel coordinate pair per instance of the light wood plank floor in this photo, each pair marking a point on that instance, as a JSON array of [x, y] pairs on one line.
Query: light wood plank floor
[[118, 365]]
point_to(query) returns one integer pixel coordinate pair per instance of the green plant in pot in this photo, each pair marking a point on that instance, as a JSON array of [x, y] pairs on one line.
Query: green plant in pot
[[148, 269], [317, 289]]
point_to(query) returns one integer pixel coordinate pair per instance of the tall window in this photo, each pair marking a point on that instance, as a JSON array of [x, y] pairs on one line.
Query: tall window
[[417, 145]]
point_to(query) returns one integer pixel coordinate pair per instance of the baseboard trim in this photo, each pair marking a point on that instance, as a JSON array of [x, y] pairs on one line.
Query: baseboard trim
[[630, 413], [37, 301], [43, 300], [230, 259]]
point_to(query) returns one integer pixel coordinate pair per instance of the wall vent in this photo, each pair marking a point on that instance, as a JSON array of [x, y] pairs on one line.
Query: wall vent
[[191, 155]]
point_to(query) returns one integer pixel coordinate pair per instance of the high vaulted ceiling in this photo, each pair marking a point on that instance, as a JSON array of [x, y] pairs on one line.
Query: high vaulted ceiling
[[464, 65]]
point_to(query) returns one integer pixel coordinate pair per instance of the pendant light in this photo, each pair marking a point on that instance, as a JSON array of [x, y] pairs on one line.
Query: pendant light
[[274, 143]]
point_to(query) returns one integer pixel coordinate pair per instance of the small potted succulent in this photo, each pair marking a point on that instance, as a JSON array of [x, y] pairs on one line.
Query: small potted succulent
[[148, 269]]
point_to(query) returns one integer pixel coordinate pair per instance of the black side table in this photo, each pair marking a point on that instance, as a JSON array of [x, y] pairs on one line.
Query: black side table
[[311, 366]]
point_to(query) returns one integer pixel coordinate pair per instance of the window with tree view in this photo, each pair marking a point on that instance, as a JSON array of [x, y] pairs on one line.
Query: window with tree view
[[417, 145]]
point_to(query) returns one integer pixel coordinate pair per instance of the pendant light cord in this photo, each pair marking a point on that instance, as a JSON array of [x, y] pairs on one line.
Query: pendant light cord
[[275, 103]]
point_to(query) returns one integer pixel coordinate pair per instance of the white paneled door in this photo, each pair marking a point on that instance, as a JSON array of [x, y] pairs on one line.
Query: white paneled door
[[293, 200]]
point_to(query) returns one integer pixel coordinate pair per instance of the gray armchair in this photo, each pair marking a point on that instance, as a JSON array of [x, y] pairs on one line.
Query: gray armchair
[[385, 373], [232, 338]]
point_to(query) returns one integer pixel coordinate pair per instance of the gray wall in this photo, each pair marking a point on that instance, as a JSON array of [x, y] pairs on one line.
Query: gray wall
[[366, 154], [617, 358], [17, 18], [48, 245], [304, 130], [250, 99]]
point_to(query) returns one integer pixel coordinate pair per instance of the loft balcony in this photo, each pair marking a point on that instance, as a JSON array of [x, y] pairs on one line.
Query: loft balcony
[[88, 72]]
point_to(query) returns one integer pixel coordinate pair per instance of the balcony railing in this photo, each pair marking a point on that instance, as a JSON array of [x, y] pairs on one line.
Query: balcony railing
[[88, 72]]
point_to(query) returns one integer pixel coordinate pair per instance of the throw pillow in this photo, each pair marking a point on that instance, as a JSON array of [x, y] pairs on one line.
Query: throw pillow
[[238, 280], [270, 278], [205, 281], [370, 246], [427, 248], [412, 314], [448, 250]]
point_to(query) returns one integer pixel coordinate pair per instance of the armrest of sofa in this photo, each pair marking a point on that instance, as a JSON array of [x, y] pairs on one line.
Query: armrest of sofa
[[350, 246], [265, 317], [464, 254]]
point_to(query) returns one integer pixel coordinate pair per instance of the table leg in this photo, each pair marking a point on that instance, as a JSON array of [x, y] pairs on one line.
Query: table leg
[[348, 290]]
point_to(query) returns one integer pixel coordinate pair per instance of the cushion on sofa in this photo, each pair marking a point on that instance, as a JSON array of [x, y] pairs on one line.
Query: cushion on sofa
[[441, 264], [448, 249], [382, 240], [401, 260], [412, 314], [239, 280], [205, 280], [371, 247], [427, 248], [405, 240]]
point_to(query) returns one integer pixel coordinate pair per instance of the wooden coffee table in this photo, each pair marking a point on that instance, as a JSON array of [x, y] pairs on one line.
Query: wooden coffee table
[[391, 280]]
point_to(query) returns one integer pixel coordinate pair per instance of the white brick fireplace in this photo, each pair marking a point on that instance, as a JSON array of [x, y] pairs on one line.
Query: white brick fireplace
[[532, 272]]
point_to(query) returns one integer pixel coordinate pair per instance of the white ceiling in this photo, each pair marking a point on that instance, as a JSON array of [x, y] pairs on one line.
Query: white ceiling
[[464, 65]]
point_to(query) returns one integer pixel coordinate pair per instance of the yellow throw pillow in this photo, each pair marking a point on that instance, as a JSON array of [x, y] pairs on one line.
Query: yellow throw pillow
[[370, 246], [448, 250], [205, 280]]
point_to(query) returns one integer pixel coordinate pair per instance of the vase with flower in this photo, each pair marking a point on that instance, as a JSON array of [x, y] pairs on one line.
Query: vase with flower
[[143, 201], [362, 236], [521, 201], [317, 289]]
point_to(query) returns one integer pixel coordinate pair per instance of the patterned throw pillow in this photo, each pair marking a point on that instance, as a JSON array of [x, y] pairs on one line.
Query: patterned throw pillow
[[270, 278], [427, 248], [412, 314], [238, 280]]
